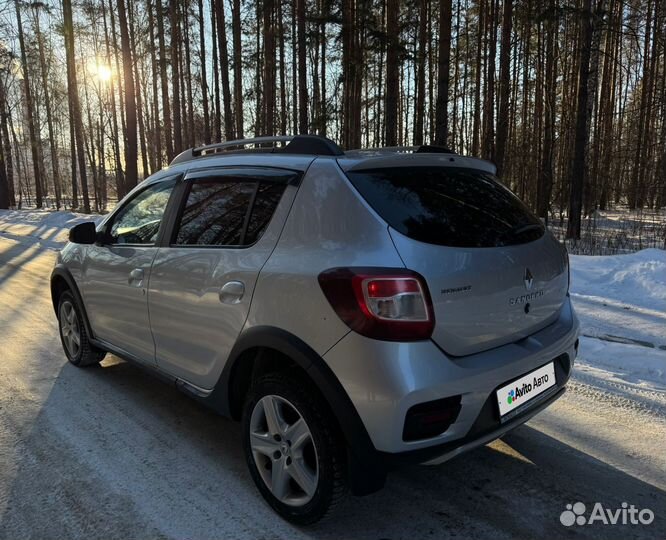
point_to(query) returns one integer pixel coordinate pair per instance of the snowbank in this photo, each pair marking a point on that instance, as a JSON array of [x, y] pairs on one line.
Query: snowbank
[[637, 279], [621, 302]]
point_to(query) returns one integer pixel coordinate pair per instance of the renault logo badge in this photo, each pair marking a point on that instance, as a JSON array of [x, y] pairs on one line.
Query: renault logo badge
[[529, 279]]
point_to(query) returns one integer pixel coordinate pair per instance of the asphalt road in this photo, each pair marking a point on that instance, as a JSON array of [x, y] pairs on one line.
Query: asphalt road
[[111, 452]]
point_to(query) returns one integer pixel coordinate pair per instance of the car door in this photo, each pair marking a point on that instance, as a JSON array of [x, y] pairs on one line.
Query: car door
[[116, 271], [201, 285]]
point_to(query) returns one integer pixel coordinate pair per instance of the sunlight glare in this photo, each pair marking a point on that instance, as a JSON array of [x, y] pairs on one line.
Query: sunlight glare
[[102, 72]]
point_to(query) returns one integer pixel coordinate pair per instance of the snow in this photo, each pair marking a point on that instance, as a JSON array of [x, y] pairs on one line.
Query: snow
[[43, 227], [620, 300], [638, 279]]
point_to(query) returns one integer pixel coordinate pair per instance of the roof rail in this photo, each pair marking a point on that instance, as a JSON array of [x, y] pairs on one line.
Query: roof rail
[[284, 144], [423, 149]]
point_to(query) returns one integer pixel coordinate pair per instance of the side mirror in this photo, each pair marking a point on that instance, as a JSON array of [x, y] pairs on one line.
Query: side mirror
[[83, 233]]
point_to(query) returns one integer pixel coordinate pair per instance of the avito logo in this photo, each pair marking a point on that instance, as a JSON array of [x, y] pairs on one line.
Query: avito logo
[[519, 392], [626, 515]]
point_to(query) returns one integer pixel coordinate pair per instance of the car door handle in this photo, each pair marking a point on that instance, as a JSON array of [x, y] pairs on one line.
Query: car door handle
[[232, 292], [136, 277]]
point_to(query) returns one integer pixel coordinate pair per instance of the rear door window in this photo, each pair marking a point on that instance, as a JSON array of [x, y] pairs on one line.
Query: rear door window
[[228, 211], [215, 213], [448, 206]]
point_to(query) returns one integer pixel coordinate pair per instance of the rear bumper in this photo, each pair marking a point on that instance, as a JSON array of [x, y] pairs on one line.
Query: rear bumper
[[384, 379], [486, 433]]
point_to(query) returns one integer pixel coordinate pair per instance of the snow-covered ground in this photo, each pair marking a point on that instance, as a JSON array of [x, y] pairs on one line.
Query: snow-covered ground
[[112, 453], [621, 302], [48, 229], [615, 231]]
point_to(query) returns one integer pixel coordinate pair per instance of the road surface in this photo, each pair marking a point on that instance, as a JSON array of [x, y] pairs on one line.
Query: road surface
[[111, 452]]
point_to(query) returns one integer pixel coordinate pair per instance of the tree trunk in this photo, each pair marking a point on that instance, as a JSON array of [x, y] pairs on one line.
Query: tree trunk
[[443, 67], [164, 82], [137, 92], [238, 66], [661, 163], [545, 180], [302, 69], [175, 77], [269, 68], [217, 107], [578, 174], [120, 189], [131, 169], [224, 70], [476, 126], [294, 68], [4, 184], [420, 72], [157, 160], [75, 107], [55, 166], [204, 78], [488, 146], [322, 96], [6, 147], [283, 71], [504, 89], [189, 101], [392, 72], [637, 190], [29, 107]]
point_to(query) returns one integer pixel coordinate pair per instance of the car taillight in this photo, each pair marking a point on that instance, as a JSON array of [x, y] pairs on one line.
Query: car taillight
[[381, 303]]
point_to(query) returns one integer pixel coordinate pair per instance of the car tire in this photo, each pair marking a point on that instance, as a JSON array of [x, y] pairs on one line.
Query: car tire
[[73, 335], [301, 479]]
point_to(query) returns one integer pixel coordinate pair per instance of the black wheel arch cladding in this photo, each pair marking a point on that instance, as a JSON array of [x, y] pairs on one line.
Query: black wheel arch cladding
[[367, 472]]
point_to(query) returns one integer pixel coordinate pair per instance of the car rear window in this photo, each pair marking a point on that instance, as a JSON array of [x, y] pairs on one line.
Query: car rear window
[[448, 206]]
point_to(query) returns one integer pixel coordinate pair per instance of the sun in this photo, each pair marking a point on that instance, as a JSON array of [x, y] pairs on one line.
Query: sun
[[101, 71], [104, 73]]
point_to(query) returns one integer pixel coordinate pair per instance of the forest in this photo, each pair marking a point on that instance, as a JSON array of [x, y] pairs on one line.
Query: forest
[[567, 98]]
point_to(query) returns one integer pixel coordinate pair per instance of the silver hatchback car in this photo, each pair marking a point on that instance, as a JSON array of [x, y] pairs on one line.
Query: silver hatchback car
[[353, 310]]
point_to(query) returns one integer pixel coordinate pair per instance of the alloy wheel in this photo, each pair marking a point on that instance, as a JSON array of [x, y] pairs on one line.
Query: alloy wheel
[[284, 451], [69, 328]]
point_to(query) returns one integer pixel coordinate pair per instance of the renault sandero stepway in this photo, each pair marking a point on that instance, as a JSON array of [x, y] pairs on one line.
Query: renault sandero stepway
[[354, 310]]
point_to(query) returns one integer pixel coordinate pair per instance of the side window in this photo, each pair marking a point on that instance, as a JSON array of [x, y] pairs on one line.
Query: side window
[[138, 222], [227, 213], [214, 213], [268, 197]]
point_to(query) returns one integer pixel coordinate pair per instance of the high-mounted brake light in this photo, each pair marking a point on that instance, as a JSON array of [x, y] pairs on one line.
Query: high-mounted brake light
[[381, 303]]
